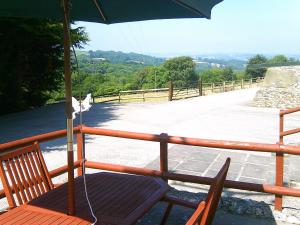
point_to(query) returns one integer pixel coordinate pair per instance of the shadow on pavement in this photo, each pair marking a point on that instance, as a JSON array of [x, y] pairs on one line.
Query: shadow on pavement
[[179, 215], [50, 118]]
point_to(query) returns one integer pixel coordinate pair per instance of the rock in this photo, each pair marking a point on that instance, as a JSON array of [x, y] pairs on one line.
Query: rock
[[280, 88], [240, 210], [280, 216], [293, 220], [239, 206]]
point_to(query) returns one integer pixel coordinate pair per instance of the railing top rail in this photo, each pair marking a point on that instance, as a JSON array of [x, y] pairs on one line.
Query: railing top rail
[[288, 111], [225, 144], [121, 134], [235, 145], [40, 138], [145, 90]]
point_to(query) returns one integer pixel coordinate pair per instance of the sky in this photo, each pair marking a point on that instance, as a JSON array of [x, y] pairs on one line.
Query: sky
[[236, 27]]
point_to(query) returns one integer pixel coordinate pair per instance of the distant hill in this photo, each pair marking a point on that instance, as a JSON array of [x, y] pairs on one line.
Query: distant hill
[[203, 62], [121, 57]]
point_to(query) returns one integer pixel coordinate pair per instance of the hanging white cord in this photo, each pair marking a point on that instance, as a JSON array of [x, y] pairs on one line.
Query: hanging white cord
[[82, 147], [86, 194]]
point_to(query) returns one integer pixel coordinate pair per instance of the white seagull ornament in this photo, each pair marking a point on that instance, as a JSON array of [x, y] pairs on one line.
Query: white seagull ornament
[[85, 105]]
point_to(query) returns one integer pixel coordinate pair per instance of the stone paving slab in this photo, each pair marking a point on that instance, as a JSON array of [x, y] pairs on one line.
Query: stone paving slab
[[245, 166]]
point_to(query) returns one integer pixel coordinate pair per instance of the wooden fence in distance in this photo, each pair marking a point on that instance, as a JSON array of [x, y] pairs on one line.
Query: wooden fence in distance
[[174, 93]]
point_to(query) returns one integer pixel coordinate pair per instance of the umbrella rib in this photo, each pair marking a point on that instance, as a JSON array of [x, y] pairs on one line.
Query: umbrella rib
[[179, 2], [100, 10]]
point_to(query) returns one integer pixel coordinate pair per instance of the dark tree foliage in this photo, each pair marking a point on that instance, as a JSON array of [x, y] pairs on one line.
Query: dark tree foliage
[[181, 70], [31, 61], [256, 72]]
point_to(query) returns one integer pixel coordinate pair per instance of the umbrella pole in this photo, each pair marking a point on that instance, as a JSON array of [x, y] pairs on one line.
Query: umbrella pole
[[68, 87]]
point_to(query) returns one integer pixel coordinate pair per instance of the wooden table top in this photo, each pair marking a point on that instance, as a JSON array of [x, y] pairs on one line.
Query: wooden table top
[[117, 199]]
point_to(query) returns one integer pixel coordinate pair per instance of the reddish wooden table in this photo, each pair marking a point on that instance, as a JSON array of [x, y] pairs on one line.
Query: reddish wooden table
[[117, 199]]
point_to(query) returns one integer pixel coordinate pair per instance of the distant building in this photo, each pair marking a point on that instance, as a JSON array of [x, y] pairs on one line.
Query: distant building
[[100, 59], [215, 65], [135, 61], [199, 62]]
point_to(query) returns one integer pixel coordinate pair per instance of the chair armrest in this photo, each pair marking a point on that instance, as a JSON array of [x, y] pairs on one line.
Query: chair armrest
[[197, 214], [181, 202]]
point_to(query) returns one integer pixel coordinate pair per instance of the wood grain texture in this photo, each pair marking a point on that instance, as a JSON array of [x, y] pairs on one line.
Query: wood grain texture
[[117, 199], [25, 171]]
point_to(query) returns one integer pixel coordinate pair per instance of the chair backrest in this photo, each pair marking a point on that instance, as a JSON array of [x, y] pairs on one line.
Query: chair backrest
[[24, 174], [206, 210]]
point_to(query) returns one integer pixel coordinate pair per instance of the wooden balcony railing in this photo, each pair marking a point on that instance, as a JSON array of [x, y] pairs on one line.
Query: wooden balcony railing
[[164, 139]]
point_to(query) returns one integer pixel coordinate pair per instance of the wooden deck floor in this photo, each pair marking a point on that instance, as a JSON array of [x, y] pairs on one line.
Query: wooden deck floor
[[117, 199]]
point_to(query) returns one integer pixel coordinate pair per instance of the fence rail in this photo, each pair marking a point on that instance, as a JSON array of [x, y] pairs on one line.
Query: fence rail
[[174, 93]]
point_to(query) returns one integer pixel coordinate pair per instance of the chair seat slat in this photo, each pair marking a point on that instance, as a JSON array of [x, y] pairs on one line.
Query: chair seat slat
[[24, 181], [32, 176], [36, 173], [19, 183], [13, 182], [44, 166], [25, 169], [6, 186], [41, 172]]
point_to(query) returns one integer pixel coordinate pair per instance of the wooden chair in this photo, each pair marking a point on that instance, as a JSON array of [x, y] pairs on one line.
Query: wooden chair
[[24, 174], [205, 210]]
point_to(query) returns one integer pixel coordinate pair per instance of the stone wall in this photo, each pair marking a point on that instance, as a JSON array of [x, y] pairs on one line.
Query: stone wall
[[280, 88]]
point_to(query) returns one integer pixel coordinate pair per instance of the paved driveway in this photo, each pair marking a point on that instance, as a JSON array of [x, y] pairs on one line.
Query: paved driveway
[[220, 116]]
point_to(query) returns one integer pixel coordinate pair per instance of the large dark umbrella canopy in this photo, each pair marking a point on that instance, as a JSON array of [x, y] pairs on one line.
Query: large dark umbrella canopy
[[110, 11]]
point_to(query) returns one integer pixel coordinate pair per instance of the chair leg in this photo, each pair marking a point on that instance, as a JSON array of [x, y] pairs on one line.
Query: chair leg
[[166, 214]]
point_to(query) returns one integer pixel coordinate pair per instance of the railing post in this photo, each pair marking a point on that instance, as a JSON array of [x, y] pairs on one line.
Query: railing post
[[224, 86], [164, 153], [171, 87], [242, 83], [250, 82], [143, 96], [80, 148], [200, 87], [119, 96], [279, 166], [93, 98], [232, 83], [212, 87]]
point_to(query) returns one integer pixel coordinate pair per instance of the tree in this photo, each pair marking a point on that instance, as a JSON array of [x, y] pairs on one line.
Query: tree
[[278, 59], [141, 78], [31, 61], [253, 71], [216, 75], [228, 74], [180, 70], [148, 78]]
